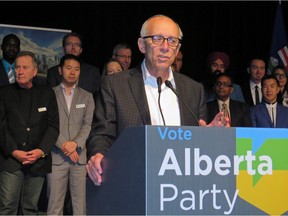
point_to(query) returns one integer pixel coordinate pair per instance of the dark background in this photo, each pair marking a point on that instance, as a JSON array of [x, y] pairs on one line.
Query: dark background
[[243, 29]]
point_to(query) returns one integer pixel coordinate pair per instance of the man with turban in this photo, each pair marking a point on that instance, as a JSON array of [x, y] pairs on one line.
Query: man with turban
[[219, 62]]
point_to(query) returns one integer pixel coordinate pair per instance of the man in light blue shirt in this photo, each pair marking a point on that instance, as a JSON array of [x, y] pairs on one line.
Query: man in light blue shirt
[[10, 48]]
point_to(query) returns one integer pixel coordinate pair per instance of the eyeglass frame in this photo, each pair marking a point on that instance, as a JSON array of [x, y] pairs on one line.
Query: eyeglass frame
[[280, 76], [163, 40], [224, 84], [71, 44]]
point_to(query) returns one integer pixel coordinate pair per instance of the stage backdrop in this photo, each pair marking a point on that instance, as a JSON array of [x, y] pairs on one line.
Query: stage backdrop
[[46, 43]]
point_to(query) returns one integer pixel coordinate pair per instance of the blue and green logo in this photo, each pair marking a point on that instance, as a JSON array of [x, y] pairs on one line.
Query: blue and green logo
[[263, 178]]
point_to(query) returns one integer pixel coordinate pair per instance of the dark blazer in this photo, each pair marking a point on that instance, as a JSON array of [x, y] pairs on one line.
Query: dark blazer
[[3, 75], [89, 78], [247, 93], [122, 103], [261, 118], [40, 131], [239, 113]]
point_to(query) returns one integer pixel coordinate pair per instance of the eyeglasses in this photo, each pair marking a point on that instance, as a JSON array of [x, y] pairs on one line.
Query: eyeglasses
[[73, 44], [280, 76], [159, 40], [224, 84], [123, 56]]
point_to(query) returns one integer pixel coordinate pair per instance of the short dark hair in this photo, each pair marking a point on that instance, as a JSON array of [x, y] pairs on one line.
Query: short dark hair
[[10, 36], [68, 57], [72, 34], [270, 76], [279, 67], [225, 75]]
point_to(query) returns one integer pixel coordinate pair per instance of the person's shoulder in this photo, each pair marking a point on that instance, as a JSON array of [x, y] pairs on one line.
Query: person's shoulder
[[88, 66], [7, 87], [53, 69], [211, 103], [82, 91]]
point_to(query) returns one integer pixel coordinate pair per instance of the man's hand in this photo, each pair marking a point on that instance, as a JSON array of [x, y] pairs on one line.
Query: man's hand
[[68, 147], [74, 156], [218, 121], [29, 157], [94, 168]]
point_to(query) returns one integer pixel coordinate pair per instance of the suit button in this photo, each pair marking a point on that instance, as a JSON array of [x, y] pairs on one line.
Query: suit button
[[28, 129], [24, 144]]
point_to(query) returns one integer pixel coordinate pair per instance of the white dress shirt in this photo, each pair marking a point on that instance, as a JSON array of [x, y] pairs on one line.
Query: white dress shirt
[[168, 100]]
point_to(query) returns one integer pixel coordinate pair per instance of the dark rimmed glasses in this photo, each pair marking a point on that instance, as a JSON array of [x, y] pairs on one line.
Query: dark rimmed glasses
[[159, 40]]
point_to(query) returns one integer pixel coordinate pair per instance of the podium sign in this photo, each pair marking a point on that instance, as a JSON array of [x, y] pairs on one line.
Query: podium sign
[[194, 171]]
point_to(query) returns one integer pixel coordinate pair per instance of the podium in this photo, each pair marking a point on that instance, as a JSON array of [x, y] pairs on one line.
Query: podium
[[159, 170]]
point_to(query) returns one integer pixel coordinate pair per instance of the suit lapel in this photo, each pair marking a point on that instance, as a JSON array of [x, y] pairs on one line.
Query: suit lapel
[[137, 87], [266, 114], [180, 91], [61, 99], [278, 116]]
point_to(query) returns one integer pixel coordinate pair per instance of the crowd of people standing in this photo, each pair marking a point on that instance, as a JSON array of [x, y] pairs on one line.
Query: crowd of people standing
[[63, 128]]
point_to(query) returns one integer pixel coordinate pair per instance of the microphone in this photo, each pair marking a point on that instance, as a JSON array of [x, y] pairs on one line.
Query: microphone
[[169, 85], [159, 83]]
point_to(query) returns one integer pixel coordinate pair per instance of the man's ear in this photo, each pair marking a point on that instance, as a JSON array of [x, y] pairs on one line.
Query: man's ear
[[59, 71], [141, 45]]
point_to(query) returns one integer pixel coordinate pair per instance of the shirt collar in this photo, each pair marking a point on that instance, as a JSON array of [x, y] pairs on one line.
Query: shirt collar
[[227, 102], [252, 85], [64, 89], [7, 65], [149, 79]]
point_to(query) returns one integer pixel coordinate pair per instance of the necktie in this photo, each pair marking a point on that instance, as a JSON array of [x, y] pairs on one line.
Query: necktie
[[257, 99], [225, 110], [11, 76]]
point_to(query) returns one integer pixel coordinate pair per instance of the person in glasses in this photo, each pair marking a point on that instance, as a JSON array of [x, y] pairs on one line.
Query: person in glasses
[[238, 112], [129, 98], [89, 79], [122, 52], [219, 62], [90, 76], [280, 72]]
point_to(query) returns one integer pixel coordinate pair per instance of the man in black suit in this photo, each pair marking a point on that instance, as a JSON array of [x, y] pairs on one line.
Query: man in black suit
[[31, 123], [238, 112], [256, 71], [10, 48], [89, 78], [129, 98]]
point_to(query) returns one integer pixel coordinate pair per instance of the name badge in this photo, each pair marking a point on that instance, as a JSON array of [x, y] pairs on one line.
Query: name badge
[[78, 106], [42, 109]]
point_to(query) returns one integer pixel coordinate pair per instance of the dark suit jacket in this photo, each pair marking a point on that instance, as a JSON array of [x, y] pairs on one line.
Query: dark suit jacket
[[3, 75], [247, 93], [40, 131], [89, 78], [239, 113], [261, 118], [122, 103]]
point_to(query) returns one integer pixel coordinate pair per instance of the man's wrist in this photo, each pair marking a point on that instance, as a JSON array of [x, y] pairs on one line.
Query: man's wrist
[[42, 153]]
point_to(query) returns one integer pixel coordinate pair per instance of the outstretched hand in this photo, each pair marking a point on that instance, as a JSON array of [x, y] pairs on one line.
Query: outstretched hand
[[218, 121], [94, 168]]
